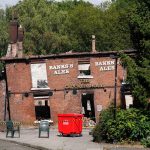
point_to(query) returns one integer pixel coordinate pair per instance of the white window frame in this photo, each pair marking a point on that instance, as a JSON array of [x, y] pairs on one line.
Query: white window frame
[[39, 72], [84, 67]]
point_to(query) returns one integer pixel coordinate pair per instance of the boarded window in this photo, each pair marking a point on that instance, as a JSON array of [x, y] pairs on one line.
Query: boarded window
[[39, 75]]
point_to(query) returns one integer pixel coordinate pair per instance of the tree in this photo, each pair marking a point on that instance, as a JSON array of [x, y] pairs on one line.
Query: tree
[[56, 27], [84, 21], [137, 17], [44, 24], [3, 33]]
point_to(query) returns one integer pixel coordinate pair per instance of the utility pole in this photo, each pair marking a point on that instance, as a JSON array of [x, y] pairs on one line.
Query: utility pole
[[7, 105]]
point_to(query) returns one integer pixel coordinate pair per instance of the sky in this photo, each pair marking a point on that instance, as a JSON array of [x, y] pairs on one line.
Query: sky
[[4, 3]]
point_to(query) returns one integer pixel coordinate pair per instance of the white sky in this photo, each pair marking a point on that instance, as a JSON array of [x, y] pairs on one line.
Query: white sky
[[4, 3]]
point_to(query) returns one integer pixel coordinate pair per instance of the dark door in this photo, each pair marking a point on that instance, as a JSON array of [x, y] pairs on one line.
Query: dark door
[[88, 105]]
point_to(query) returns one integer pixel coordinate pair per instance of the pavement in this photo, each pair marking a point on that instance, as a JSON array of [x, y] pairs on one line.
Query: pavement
[[29, 137], [7, 145]]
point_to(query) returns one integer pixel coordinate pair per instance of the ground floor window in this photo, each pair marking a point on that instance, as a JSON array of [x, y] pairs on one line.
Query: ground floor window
[[42, 106], [42, 110]]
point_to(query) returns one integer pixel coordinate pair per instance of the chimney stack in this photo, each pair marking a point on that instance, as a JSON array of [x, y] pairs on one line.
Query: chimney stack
[[16, 33], [93, 44], [13, 31], [20, 41], [20, 33]]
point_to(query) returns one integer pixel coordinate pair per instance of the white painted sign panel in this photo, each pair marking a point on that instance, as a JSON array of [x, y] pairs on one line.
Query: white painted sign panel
[[99, 108]]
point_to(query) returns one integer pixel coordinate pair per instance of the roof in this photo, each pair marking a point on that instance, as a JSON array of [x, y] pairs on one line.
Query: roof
[[67, 55]]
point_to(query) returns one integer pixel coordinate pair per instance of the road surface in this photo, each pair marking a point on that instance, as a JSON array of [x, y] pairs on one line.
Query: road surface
[[7, 145]]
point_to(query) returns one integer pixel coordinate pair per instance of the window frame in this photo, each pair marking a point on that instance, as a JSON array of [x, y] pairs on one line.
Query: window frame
[[82, 65], [36, 74]]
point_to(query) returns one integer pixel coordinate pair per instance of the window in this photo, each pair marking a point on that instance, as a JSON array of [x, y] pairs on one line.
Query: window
[[39, 76], [128, 101], [84, 69]]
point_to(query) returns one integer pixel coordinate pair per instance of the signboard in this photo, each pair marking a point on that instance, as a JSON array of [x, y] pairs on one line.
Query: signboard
[[99, 108]]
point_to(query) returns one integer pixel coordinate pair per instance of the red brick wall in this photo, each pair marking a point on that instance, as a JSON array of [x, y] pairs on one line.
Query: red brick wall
[[22, 109], [63, 101], [18, 77]]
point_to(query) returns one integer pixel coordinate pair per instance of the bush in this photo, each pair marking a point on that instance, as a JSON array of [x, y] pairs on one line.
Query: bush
[[130, 125], [146, 142]]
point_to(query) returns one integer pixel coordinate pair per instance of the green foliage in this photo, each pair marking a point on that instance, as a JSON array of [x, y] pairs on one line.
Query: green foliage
[[146, 142], [140, 85], [138, 69], [3, 33], [130, 125], [56, 27], [44, 24]]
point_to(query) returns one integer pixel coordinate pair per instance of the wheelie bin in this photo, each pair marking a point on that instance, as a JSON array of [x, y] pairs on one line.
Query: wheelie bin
[[70, 124]]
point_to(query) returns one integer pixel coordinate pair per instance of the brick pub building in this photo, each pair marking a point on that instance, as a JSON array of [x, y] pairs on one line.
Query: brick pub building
[[41, 87]]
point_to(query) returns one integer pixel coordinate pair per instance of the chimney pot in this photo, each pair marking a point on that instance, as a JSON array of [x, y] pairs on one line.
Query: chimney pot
[[20, 34], [93, 44]]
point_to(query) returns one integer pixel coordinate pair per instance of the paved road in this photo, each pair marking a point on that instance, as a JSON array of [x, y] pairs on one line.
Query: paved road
[[55, 141], [7, 145], [125, 148], [29, 137]]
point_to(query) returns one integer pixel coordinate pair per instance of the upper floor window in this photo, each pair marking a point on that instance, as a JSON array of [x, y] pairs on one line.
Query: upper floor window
[[39, 76], [84, 68]]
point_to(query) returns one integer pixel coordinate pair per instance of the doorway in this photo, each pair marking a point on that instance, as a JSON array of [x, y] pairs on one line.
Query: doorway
[[88, 109], [42, 110]]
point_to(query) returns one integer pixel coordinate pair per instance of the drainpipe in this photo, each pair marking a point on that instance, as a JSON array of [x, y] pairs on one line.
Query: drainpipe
[[7, 105], [115, 84], [115, 88]]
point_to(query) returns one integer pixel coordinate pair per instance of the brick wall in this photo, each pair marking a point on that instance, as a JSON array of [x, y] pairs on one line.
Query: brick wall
[[62, 101]]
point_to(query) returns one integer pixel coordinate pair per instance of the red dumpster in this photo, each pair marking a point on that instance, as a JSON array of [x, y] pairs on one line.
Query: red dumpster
[[69, 124]]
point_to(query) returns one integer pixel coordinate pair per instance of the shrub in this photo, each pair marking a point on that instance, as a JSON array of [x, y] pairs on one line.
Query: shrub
[[130, 125], [146, 142]]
